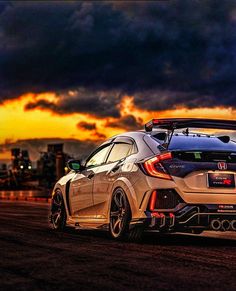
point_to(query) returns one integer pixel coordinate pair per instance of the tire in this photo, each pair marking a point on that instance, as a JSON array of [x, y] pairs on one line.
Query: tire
[[120, 216], [58, 212]]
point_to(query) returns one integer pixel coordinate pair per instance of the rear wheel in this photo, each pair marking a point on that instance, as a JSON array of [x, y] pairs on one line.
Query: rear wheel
[[120, 216], [58, 212]]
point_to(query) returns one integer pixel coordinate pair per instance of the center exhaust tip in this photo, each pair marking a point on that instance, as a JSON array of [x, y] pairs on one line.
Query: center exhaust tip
[[225, 225]]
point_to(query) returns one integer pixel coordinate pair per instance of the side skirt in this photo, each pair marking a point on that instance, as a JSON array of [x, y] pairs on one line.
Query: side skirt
[[87, 223]]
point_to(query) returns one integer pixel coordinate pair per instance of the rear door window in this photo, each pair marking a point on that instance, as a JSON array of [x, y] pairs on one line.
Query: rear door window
[[98, 157], [119, 151]]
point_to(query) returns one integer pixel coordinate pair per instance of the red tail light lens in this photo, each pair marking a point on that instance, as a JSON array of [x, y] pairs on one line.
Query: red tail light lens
[[155, 168]]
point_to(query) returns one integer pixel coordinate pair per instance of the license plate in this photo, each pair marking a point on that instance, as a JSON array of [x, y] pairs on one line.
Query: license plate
[[221, 180]]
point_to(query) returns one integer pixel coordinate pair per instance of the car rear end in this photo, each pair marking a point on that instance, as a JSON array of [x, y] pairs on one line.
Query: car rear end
[[191, 183]]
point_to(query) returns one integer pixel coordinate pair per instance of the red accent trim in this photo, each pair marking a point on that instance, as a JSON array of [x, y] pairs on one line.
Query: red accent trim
[[155, 214], [155, 121], [153, 200], [227, 182]]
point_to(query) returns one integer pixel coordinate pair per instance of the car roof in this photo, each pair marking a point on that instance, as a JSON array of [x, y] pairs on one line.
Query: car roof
[[131, 134]]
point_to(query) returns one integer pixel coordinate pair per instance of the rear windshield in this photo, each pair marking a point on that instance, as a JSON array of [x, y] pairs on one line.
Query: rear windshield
[[191, 142]]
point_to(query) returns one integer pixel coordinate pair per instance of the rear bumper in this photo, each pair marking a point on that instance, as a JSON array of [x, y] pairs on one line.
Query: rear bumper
[[191, 218]]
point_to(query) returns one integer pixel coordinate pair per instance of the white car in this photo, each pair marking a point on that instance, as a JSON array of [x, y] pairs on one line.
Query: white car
[[167, 178]]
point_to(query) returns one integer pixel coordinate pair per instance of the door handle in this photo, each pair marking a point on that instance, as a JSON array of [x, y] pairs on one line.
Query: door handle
[[91, 175], [117, 167]]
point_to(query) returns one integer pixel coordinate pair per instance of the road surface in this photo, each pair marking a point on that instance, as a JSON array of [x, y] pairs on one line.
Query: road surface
[[35, 258]]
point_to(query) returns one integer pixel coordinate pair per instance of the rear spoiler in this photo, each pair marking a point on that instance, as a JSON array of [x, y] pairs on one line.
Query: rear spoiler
[[175, 123]]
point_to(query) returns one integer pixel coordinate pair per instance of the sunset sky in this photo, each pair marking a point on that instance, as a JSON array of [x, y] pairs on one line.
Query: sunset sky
[[84, 71]]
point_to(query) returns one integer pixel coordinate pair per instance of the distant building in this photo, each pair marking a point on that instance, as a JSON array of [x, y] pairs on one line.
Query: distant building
[[51, 165], [20, 160]]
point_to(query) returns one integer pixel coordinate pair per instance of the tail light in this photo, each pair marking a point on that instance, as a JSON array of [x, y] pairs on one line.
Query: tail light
[[155, 168]]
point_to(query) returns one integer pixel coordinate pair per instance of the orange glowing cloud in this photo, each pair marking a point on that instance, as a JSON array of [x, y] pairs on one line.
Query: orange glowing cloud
[[20, 124], [127, 107], [16, 123]]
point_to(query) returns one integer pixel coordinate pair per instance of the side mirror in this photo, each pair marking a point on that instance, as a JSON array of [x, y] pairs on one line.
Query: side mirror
[[74, 165]]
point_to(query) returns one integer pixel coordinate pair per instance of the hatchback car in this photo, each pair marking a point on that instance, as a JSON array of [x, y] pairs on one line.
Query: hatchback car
[[166, 178]]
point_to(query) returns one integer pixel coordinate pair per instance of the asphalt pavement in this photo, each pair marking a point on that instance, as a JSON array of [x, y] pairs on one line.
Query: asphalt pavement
[[33, 257]]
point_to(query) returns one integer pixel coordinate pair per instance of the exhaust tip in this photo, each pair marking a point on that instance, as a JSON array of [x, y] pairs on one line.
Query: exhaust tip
[[225, 225], [215, 224], [233, 224]]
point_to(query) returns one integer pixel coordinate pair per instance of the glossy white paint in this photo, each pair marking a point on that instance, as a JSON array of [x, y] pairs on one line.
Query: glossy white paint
[[90, 198]]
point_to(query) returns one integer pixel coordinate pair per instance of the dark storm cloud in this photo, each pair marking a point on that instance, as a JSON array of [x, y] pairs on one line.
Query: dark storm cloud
[[95, 103], [128, 122], [166, 99], [86, 125], [165, 53]]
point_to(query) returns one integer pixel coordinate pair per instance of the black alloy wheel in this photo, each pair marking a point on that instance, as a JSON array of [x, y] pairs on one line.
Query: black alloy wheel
[[119, 214]]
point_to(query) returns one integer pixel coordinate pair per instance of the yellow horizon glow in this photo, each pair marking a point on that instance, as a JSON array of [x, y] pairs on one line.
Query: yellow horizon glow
[[16, 123], [20, 124]]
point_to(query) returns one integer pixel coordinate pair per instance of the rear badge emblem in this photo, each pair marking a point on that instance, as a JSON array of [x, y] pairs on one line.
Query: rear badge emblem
[[222, 166]]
